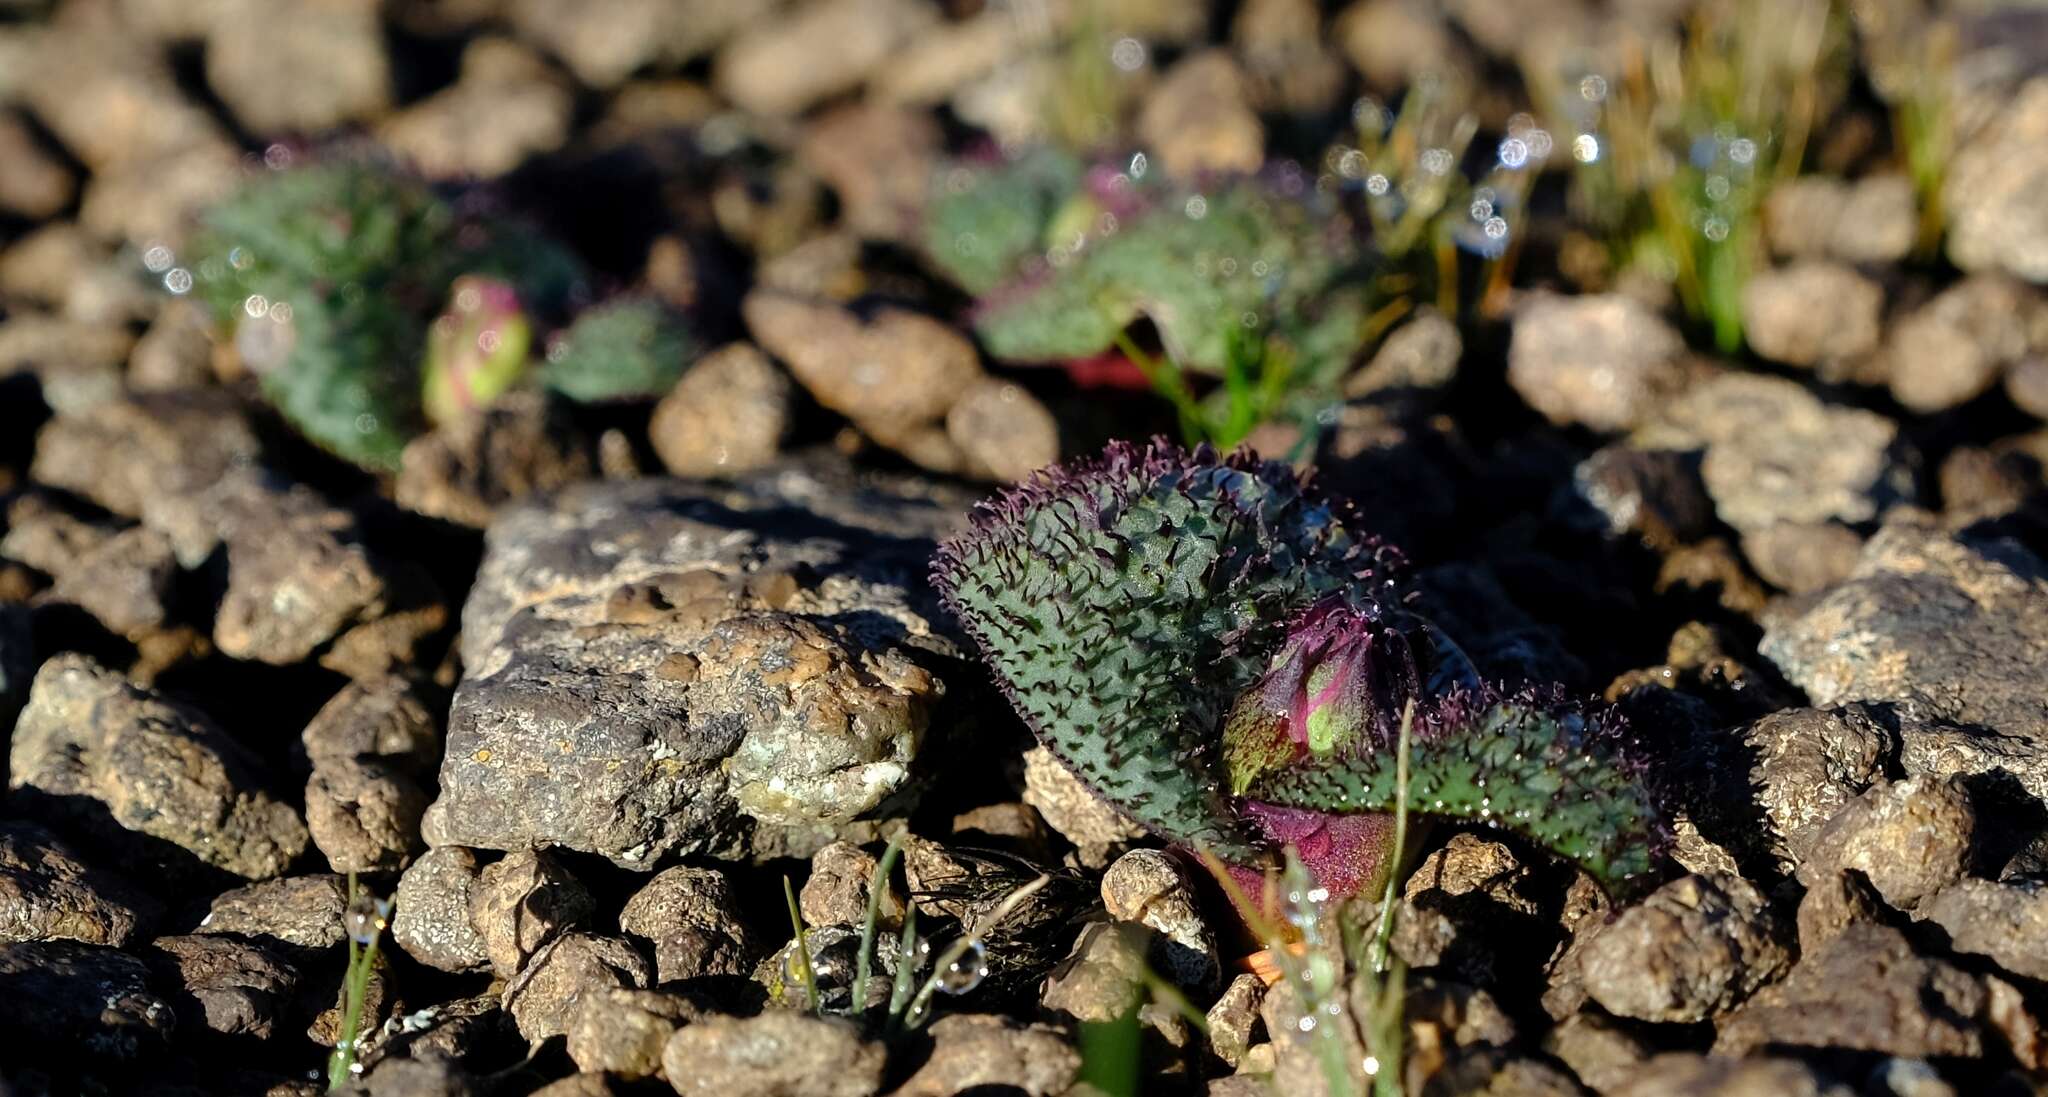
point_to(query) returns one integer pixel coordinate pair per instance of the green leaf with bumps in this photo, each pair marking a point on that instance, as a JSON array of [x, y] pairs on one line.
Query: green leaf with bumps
[[1527, 762], [1197, 269], [984, 220], [624, 350], [330, 392], [327, 275], [1124, 604]]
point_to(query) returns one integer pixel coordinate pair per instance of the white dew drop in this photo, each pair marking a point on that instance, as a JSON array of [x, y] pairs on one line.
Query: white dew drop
[[967, 970]]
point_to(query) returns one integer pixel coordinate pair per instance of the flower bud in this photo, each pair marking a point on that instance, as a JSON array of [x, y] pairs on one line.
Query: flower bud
[[1339, 681], [475, 350]]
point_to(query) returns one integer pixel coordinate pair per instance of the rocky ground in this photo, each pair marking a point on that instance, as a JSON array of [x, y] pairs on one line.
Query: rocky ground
[[578, 687]]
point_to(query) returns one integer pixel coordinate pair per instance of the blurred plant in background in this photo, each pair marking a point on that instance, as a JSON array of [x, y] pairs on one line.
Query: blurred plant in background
[[1909, 53], [369, 306], [1258, 284], [1677, 143]]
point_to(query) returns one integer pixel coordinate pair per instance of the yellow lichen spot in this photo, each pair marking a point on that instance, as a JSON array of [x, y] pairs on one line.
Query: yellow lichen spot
[[481, 756]]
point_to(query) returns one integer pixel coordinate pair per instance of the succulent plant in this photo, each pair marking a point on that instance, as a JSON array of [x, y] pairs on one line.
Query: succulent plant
[[1250, 281], [1219, 651], [622, 350], [1062, 275], [327, 277]]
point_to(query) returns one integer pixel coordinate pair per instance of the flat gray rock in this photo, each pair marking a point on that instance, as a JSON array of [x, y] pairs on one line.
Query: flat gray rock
[[662, 667], [1954, 631], [128, 770]]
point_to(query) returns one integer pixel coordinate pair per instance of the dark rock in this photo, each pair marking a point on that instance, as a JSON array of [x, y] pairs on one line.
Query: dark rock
[[411, 1078], [1873, 219], [1696, 947], [299, 578], [1654, 494], [176, 352], [879, 159], [1984, 485], [1421, 355], [523, 444], [300, 911], [1469, 600], [2006, 922], [588, 1085], [392, 717], [1197, 122], [1773, 452], [1602, 362], [138, 773], [564, 971], [1909, 840], [305, 66], [1810, 763], [1604, 1055], [147, 455], [693, 662], [611, 40], [1492, 1072], [823, 48], [1002, 431], [48, 893], [726, 417], [899, 376], [364, 815], [1014, 827], [506, 105], [1802, 557], [1298, 1049], [1072, 810], [1954, 347], [1099, 980], [690, 918], [63, 997], [1393, 43], [972, 1052], [775, 1054], [33, 183], [1289, 62], [623, 1031], [126, 582], [1233, 1022], [1451, 1015], [837, 890], [1834, 903], [226, 985], [474, 1033], [1815, 314], [521, 903], [1685, 1074], [2026, 383], [17, 657], [1953, 629], [1987, 203], [1149, 887], [1867, 990], [374, 747], [430, 918]]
